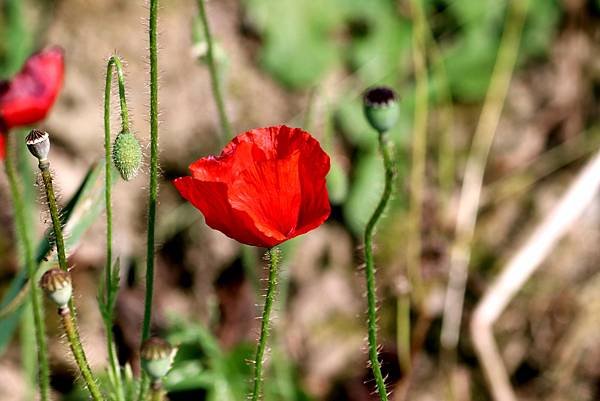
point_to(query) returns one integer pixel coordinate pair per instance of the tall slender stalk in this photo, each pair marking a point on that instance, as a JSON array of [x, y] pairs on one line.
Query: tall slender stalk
[[67, 314], [215, 79], [78, 353], [384, 148], [274, 258], [470, 194], [153, 190], [24, 238], [113, 62]]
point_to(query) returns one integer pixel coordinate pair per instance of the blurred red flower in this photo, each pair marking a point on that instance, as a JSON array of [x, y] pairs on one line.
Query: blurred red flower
[[266, 186], [28, 96]]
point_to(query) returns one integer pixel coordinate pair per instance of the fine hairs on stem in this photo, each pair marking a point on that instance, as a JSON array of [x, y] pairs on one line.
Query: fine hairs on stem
[[38, 143], [153, 187], [24, 237], [274, 259], [110, 295], [384, 148]]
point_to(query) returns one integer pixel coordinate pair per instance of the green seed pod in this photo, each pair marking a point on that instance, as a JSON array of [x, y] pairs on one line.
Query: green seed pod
[[56, 284], [127, 155], [157, 356], [381, 108]]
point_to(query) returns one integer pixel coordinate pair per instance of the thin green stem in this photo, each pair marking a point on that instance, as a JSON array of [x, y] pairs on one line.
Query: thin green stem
[[36, 300], [113, 62], [385, 149], [156, 392], [153, 188], [69, 327], [274, 258], [69, 322], [53, 207], [214, 74], [153, 192]]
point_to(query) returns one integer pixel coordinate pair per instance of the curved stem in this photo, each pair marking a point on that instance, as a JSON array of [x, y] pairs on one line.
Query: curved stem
[[274, 258], [69, 326], [156, 392], [36, 300], [214, 74], [384, 148], [153, 191], [113, 62]]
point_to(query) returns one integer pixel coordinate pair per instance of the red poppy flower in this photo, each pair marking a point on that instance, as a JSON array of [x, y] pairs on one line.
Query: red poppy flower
[[266, 186], [28, 96]]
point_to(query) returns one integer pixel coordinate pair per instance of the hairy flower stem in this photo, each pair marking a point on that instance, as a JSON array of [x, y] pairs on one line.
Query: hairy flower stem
[[44, 167], [156, 392], [274, 258], [153, 191], [67, 317], [385, 149], [214, 75], [24, 238], [113, 62], [73, 336]]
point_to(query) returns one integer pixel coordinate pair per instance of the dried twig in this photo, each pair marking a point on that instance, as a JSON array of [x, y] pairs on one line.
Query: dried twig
[[570, 207]]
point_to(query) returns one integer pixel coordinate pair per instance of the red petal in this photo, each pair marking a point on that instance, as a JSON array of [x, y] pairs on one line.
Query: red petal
[[2, 145], [211, 199], [269, 192], [28, 97]]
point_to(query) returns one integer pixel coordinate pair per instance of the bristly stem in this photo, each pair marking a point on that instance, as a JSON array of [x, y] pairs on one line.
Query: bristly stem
[[274, 258], [72, 335], [28, 258], [71, 325], [385, 149], [214, 74], [113, 62], [153, 191]]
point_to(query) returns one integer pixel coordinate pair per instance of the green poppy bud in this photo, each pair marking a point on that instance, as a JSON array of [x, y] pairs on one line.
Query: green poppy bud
[[157, 356], [127, 155], [381, 108], [56, 283], [38, 143]]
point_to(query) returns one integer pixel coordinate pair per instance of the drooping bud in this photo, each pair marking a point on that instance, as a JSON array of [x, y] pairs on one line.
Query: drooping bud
[[157, 356], [381, 108], [127, 155], [56, 283], [38, 143]]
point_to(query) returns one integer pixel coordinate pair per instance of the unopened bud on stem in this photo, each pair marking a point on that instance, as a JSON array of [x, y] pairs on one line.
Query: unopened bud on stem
[[381, 108], [38, 143], [56, 283], [157, 356]]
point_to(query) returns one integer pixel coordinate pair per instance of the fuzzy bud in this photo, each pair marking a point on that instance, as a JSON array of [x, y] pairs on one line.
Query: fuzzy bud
[[381, 108], [38, 143], [56, 283], [157, 356], [127, 155]]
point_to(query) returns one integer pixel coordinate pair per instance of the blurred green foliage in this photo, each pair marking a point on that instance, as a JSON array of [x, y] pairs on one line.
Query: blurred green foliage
[[303, 41]]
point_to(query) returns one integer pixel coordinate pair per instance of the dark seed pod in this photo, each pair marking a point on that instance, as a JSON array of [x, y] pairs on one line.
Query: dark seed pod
[[56, 283], [38, 143], [127, 155], [157, 356], [381, 108]]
